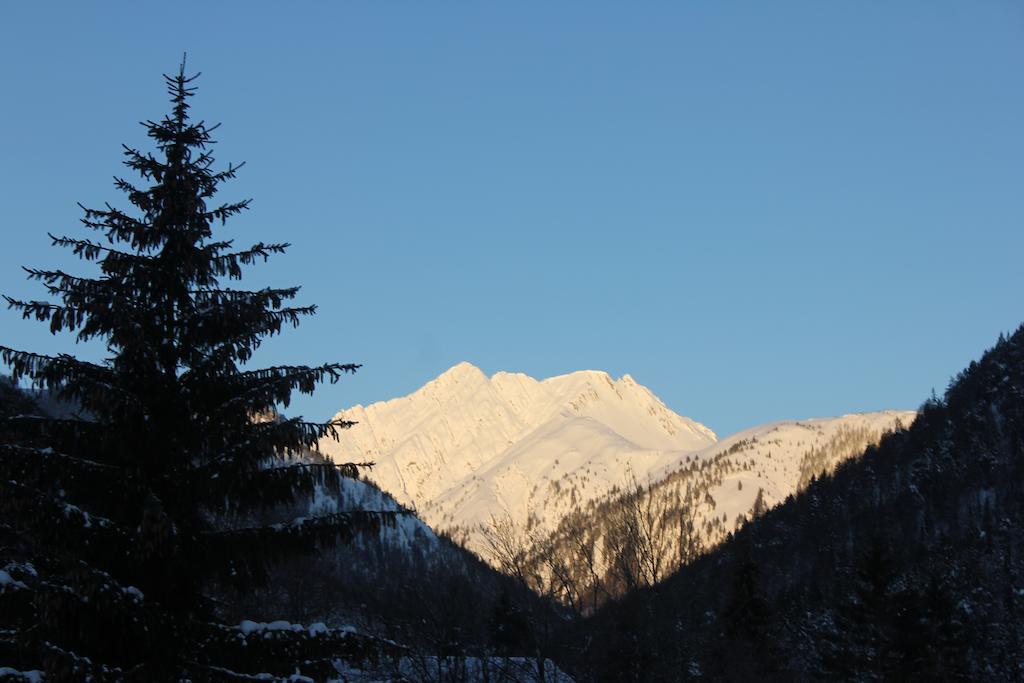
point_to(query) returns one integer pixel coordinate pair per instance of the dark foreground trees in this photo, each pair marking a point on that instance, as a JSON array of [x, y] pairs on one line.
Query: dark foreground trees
[[905, 564], [117, 524]]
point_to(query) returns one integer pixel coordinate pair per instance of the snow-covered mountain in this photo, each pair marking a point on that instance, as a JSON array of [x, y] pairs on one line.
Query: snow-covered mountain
[[777, 459], [641, 534], [466, 447]]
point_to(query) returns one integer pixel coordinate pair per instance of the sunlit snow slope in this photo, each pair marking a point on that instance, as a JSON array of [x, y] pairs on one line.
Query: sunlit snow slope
[[774, 460], [465, 447]]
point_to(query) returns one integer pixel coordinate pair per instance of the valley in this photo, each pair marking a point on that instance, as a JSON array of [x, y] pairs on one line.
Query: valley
[[547, 460]]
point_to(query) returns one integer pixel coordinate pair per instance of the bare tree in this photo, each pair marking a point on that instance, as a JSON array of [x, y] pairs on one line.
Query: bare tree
[[637, 543], [509, 548], [518, 555], [581, 541], [689, 545]]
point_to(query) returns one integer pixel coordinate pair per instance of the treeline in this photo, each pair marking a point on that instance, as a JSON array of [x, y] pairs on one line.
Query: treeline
[[637, 537], [848, 442]]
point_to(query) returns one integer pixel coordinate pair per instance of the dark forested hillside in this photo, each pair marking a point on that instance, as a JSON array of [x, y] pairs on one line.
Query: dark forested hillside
[[905, 564]]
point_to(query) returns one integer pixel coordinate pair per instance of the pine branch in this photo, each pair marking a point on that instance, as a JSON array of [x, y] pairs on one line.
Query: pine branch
[[275, 439], [110, 301], [277, 372], [45, 521], [59, 317], [231, 264], [146, 165], [115, 261], [269, 386], [37, 365], [240, 491], [344, 524], [68, 378], [270, 297], [349, 470], [296, 431], [286, 654], [225, 211], [37, 453], [102, 583], [243, 553], [69, 510], [96, 485], [119, 226], [96, 294], [208, 251], [45, 427], [232, 331], [142, 200], [227, 174], [66, 281], [81, 668]]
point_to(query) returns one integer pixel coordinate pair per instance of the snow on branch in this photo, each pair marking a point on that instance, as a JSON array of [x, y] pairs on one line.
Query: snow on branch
[[33, 452], [340, 523]]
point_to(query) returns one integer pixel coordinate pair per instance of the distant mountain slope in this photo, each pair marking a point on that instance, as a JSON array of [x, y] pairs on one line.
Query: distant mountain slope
[[465, 447], [904, 564], [637, 535], [775, 459]]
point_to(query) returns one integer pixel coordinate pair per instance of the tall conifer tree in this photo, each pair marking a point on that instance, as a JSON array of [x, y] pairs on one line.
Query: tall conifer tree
[[114, 525]]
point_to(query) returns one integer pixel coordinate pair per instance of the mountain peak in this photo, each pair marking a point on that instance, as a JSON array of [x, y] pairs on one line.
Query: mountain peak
[[461, 369], [460, 373]]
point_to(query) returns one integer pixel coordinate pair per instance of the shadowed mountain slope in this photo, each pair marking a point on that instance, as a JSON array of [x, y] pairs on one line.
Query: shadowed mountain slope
[[905, 564]]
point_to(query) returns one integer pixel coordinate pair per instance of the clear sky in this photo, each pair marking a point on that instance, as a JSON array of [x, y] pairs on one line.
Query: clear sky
[[759, 210]]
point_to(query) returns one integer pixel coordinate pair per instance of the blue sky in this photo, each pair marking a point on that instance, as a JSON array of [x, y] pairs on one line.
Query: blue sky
[[759, 210]]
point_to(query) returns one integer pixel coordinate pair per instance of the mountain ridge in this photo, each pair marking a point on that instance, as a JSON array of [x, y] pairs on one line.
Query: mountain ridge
[[466, 448], [435, 446]]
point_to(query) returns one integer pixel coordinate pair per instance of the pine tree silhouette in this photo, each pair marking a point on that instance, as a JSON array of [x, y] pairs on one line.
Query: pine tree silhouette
[[116, 525]]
